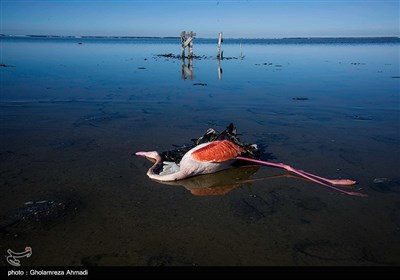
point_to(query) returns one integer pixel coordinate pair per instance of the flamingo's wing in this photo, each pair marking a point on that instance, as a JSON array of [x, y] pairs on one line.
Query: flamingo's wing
[[217, 151]]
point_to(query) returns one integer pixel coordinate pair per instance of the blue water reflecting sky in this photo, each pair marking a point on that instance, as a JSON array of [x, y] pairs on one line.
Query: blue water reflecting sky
[[74, 110], [65, 69]]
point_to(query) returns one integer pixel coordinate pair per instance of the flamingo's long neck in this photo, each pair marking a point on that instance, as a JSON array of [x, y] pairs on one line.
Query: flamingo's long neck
[[168, 177]]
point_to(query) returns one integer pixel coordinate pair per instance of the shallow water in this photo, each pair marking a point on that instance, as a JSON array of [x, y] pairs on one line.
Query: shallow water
[[72, 114]]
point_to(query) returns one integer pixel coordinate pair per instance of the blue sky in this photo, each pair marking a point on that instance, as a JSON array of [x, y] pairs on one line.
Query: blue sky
[[236, 19]]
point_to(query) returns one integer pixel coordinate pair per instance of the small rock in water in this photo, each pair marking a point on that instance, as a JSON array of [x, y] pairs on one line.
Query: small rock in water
[[35, 216], [171, 55], [5, 65], [380, 180], [361, 118], [299, 98], [386, 185]]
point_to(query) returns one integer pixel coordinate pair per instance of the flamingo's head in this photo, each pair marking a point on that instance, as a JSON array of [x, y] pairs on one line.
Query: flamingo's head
[[151, 155]]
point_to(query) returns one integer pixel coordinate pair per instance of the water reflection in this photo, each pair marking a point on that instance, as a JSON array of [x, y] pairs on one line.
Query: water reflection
[[222, 182], [187, 70], [219, 69], [217, 183], [71, 110]]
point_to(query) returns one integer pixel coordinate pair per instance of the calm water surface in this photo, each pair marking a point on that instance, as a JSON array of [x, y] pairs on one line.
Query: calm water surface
[[74, 110]]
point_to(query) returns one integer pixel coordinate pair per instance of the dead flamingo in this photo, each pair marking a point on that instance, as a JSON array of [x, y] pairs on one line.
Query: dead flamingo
[[205, 158], [218, 155]]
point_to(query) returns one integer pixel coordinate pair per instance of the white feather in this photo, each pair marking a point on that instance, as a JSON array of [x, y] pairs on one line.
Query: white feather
[[169, 167]]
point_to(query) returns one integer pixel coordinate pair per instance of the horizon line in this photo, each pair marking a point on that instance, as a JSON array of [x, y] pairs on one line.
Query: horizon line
[[178, 37]]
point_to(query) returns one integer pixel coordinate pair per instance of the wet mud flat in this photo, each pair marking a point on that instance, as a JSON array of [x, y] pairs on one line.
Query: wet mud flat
[[73, 192]]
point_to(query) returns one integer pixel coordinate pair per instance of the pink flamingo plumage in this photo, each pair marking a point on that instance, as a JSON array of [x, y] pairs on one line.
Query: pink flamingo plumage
[[205, 158], [218, 155]]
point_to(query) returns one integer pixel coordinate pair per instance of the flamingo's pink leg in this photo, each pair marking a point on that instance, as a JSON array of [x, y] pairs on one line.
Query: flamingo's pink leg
[[302, 174], [336, 182]]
